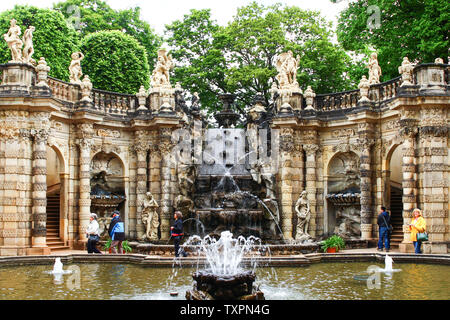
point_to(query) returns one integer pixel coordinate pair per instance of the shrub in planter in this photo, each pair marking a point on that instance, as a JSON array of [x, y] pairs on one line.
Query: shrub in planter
[[333, 243]]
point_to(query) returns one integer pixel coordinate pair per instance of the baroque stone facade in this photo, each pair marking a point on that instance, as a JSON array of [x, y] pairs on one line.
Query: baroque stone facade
[[340, 148]]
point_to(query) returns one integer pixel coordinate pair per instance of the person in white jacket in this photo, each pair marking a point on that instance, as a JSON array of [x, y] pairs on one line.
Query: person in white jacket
[[92, 233]]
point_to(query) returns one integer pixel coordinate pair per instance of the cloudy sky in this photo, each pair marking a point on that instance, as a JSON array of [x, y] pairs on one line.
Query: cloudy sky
[[161, 12]]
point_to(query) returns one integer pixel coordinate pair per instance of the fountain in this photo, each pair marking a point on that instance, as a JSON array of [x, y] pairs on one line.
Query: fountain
[[388, 261], [225, 277], [58, 271]]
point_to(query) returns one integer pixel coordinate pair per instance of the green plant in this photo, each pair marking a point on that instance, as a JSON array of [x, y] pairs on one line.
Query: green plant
[[126, 246], [333, 242], [107, 245]]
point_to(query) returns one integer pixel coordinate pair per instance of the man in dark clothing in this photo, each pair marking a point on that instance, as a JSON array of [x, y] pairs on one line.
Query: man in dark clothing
[[384, 222], [116, 231], [177, 233]]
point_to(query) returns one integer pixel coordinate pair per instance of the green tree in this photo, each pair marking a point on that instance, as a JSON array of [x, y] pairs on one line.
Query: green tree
[[53, 39], [418, 29], [115, 61], [88, 16], [200, 65], [239, 57]]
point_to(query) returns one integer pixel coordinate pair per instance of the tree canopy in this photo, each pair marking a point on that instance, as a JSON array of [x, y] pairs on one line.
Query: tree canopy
[[238, 58], [418, 29], [115, 61], [89, 16], [53, 39]]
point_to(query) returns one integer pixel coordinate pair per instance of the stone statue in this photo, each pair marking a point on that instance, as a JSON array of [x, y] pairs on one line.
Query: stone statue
[[150, 217], [374, 69], [303, 214], [28, 49], [406, 70], [195, 102], [75, 68], [12, 38], [364, 86], [160, 76], [348, 222], [287, 66]]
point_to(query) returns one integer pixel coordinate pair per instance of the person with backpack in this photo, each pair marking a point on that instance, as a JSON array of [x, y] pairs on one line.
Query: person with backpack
[[385, 230], [116, 231]]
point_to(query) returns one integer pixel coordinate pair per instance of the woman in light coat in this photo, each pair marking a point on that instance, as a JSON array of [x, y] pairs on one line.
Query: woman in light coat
[[92, 234], [417, 225]]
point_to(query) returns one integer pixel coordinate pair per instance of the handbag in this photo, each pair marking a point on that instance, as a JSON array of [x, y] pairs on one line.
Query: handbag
[[94, 237], [390, 227], [422, 236]]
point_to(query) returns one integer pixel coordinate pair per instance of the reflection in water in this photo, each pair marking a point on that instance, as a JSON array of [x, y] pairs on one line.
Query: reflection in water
[[324, 281]]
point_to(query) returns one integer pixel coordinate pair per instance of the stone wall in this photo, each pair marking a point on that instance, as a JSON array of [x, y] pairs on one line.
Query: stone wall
[[78, 125]]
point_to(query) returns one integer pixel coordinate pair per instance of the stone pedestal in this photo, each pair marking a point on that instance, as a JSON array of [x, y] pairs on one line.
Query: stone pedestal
[[17, 78]]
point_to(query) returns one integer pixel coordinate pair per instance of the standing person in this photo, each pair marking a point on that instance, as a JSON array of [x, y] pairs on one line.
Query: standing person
[[116, 231], [177, 233], [418, 224], [92, 234], [384, 221]]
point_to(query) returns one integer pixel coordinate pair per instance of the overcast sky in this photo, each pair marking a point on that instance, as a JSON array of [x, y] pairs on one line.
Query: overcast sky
[[162, 12]]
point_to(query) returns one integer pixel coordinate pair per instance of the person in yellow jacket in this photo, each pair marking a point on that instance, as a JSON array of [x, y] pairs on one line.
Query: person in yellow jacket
[[417, 225]]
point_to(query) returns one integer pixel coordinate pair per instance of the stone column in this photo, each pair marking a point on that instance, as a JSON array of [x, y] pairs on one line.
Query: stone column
[[15, 183], [366, 196], [85, 143], [165, 148], [141, 148], [39, 172], [286, 139], [433, 153], [310, 150], [408, 132]]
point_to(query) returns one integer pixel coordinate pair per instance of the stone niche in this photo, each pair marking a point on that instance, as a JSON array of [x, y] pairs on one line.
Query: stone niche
[[107, 187], [343, 196]]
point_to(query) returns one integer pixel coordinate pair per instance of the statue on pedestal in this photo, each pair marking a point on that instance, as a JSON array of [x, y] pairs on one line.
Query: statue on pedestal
[[75, 68], [28, 49], [287, 66], [406, 70], [160, 76], [14, 42], [150, 217], [374, 69], [303, 211]]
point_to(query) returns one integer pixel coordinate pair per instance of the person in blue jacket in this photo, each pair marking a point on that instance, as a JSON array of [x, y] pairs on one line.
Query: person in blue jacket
[[384, 222], [116, 231]]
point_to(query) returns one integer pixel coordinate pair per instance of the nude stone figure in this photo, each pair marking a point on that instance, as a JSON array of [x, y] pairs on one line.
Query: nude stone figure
[[150, 217], [303, 211], [12, 38]]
